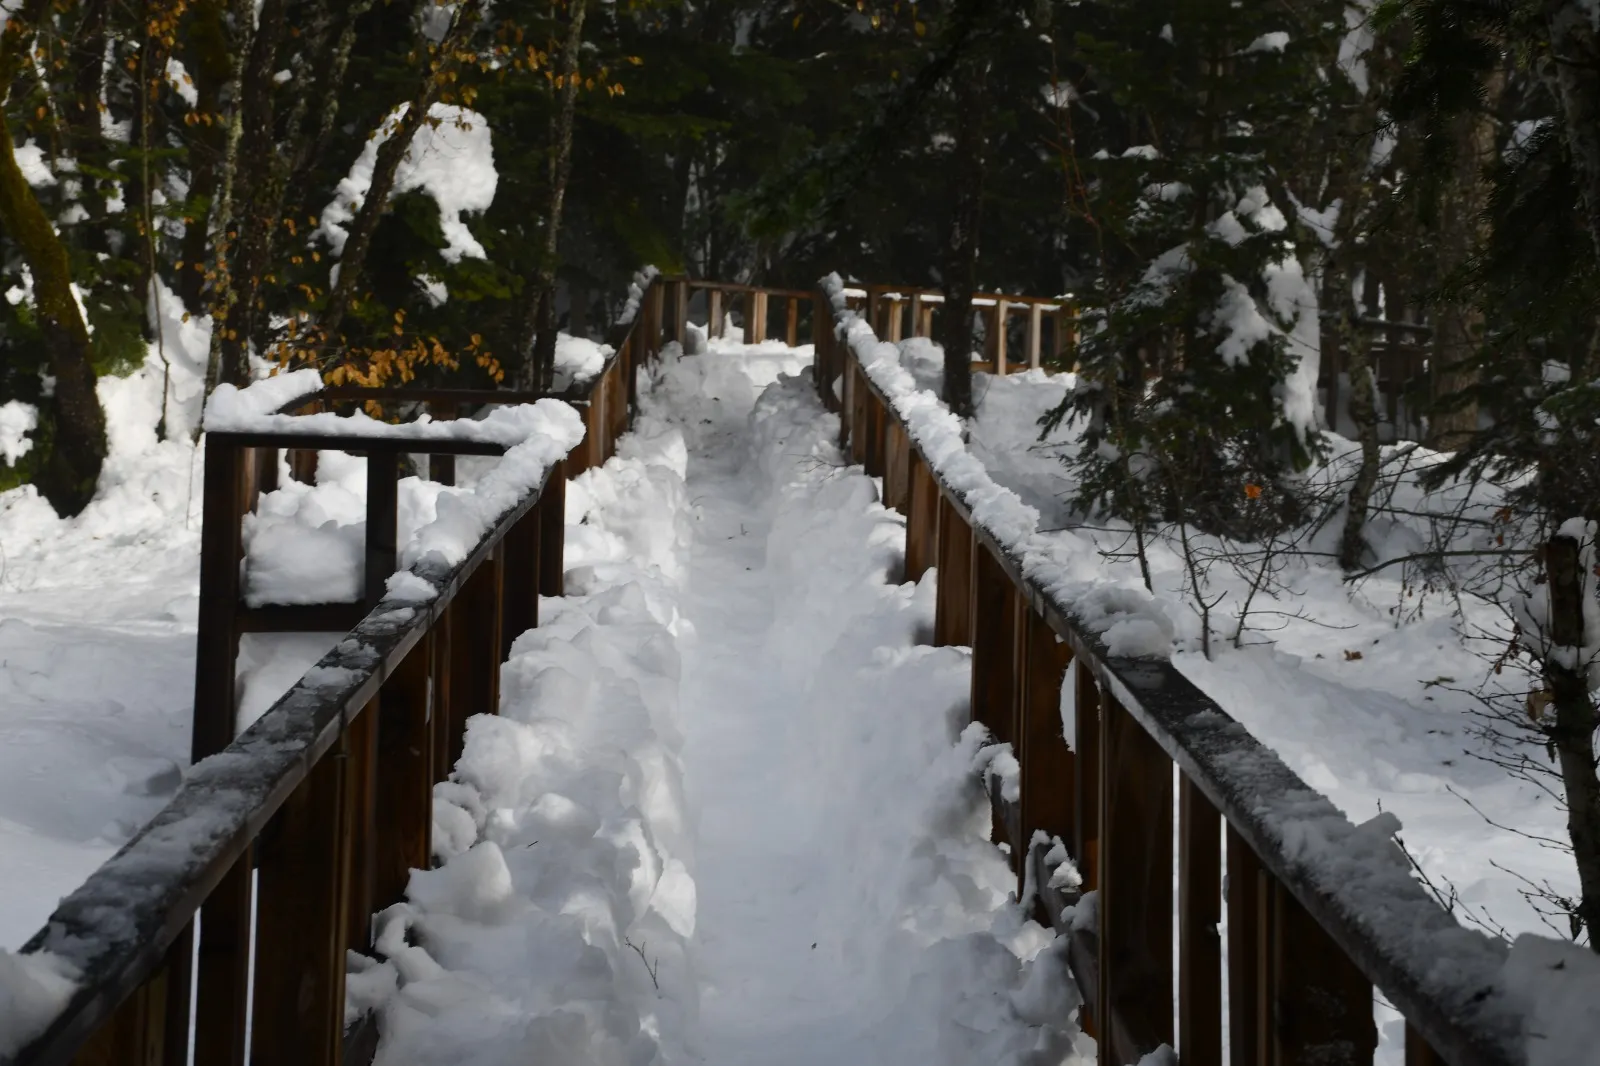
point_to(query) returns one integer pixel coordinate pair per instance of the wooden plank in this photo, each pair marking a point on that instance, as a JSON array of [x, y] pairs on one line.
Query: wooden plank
[[1035, 330], [405, 775], [993, 649], [714, 314], [217, 638], [1135, 889], [222, 980], [300, 947], [922, 519], [475, 653], [180, 988], [383, 501], [1049, 772], [1418, 1051], [1245, 984], [791, 331], [755, 326], [953, 606], [1086, 823], [552, 510], [303, 465], [441, 711], [361, 777], [680, 313], [998, 346], [136, 1034], [521, 578], [1199, 942], [917, 329], [1321, 1004], [300, 617], [896, 467]]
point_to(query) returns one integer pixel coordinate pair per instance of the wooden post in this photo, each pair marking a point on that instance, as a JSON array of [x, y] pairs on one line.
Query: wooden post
[[1087, 814], [1001, 309], [405, 775], [521, 578], [714, 314], [137, 1033], [993, 650], [552, 510], [475, 651], [791, 332], [300, 946], [1246, 922], [442, 712], [656, 301], [1321, 1004], [1064, 340], [1135, 890], [217, 639], [1049, 773], [223, 976], [916, 315], [382, 552], [896, 323], [952, 624], [1035, 329], [755, 327], [680, 313], [1199, 943], [922, 518], [361, 791], [1418, 1051], [896, 468]]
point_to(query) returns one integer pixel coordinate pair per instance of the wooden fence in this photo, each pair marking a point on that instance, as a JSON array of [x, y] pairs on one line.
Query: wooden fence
[[1031, 332], [1302, 961], [274, 840]]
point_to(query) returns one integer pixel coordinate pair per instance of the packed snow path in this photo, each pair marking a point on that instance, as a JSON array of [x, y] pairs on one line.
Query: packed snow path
[[850, 908]]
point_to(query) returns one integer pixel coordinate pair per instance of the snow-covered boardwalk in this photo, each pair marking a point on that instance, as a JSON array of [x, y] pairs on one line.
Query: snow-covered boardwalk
[[728, 812]]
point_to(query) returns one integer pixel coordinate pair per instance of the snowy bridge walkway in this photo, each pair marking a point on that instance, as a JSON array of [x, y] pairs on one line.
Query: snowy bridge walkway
[[685, 733]]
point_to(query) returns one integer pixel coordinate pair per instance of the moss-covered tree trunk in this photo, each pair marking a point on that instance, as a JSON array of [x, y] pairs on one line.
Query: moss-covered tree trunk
[[68, 474]]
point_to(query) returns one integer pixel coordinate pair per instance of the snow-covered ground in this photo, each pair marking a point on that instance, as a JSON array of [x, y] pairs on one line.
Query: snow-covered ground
[[1356, 687]]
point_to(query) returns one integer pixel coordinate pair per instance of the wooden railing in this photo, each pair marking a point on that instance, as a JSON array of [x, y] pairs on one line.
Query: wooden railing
[[274, 841], [1311, 928]]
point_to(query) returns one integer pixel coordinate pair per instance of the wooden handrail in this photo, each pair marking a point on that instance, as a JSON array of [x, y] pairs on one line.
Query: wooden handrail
[[1308, 937], [292, 801]]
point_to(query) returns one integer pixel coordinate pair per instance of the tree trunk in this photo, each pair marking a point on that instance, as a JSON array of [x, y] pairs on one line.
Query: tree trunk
[[221, 226], [386, 166], [69, 474], [1364, 413], [543, 363], [961, 246], [211, 65], [1572, 735], [1575, 52], [254, 218], [1459, 323]]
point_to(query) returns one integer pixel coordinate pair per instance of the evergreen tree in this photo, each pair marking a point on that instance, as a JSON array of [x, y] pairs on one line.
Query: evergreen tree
[[1198, 361]]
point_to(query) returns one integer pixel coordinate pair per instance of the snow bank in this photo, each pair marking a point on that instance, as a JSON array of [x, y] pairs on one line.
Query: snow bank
[[555, 929]]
